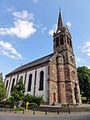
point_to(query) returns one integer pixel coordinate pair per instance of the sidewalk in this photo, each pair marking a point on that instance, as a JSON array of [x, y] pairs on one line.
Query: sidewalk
[[50, 110], [30, 113], [84, 105]]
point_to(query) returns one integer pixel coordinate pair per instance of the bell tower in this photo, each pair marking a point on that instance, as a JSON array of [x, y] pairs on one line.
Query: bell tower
[[62, 37], [67, 79]]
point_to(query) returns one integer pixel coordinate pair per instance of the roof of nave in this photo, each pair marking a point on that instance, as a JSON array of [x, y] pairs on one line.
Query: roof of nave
[[31, 64]]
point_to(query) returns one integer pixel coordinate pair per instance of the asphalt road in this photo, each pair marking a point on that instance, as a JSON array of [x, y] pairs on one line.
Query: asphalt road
[[64, 116]]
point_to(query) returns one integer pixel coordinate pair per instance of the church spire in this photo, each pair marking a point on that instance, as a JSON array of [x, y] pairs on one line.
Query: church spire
[[60, 22]]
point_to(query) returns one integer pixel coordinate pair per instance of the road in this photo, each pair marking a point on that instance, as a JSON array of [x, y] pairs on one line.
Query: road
[[63, 116]]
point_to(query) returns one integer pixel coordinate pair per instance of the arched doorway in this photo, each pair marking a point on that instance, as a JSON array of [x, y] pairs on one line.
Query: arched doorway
[[76, 93], [54, 98]]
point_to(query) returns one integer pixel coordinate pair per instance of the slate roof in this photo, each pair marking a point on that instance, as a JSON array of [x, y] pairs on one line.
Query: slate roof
[[31, 64]]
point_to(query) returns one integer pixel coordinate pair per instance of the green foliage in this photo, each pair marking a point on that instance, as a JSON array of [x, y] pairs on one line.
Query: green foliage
[[2, 88], [84, 81], [32, 105], [19, 108], [17, 92], [10, 100], [33, 99], [84, 99]]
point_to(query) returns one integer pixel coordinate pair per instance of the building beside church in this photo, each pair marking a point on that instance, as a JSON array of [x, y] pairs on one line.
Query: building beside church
[[53, 76]]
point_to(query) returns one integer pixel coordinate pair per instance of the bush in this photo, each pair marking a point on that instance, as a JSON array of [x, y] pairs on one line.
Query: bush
[[33, 99], [19, 108], [84, 99], [32, 105]]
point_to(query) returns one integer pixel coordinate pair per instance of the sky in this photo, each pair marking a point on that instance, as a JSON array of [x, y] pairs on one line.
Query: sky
[[26, 28]]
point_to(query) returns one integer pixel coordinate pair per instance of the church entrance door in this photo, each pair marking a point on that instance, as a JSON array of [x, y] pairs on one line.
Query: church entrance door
[[54, 97]]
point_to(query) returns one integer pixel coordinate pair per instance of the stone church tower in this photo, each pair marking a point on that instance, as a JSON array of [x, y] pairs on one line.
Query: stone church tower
[[67, 79]]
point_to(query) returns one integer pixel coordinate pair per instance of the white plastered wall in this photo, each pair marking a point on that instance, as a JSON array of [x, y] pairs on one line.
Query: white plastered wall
[[10, 81], [44, 92], [32, 84], [37, 92], [22, 75]]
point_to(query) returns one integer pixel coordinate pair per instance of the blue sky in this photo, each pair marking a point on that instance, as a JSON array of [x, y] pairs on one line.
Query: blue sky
[[26, 28]]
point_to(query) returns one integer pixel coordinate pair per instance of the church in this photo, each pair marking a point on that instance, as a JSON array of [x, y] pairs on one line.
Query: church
[[54, 77]]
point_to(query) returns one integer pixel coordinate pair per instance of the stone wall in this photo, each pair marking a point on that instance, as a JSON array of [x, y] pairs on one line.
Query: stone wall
[[52, 81]]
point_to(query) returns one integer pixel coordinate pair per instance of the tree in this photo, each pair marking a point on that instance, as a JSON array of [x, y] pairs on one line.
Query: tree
[[84, 81], [2, 88], [17, 91]]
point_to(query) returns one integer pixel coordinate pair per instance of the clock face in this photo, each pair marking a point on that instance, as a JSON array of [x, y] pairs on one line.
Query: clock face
[[73, 74]]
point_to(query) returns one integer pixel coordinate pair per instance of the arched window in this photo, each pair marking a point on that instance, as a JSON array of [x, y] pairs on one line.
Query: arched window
[[61, 40], [41, 81], [76, 93], [30, 82], [70, 43], [54, 97], [71, 59], [57, 41], [13, 84], [7, 84]]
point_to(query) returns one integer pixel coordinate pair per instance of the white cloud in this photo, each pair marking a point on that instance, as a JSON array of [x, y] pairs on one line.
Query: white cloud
[[8, 50], [53, 29], [24, 15], [79, 60], [40, 27], [51, 32], [86, 48], [10, 9], [22, 29], [68, 24], [23, 25], [43, 30]]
